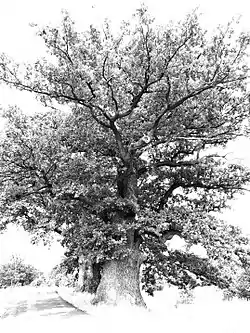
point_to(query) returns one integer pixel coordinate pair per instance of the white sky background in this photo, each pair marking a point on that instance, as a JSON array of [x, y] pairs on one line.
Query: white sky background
[[18, 242], [18, 40]]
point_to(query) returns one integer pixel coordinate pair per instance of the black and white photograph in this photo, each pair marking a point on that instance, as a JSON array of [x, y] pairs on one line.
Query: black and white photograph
[[124, 166]]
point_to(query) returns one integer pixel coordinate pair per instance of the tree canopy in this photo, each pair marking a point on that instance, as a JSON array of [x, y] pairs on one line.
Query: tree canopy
[[133, 161]]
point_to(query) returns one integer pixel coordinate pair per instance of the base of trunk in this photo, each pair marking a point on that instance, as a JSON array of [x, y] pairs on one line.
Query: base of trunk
[[120, 282]]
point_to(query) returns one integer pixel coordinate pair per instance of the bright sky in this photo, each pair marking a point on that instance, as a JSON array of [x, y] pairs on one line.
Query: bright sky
[[18, 242], [17, 39]]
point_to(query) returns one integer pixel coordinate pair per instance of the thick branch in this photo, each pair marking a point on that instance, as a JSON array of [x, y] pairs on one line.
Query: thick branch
[[163, 236], [122, 150], [167, 195], [169, 234], [173, 164], [57, 230], [109, 86], [47, 183]]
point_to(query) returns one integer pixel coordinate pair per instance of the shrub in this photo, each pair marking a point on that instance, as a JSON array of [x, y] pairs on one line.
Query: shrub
[[60, 278], [17, 273]]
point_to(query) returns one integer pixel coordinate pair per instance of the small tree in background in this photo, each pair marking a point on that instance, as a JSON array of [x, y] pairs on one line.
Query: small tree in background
[[17, 273]]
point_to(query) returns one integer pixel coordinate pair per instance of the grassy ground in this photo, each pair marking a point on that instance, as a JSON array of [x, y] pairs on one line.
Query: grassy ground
[[208, 313], [166, 313]]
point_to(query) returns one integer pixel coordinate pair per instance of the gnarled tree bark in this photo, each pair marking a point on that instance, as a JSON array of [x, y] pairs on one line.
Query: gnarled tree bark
[[120, 278], [120, 282]]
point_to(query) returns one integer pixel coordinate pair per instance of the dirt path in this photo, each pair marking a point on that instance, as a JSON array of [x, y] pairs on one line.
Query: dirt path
[[40, 303]]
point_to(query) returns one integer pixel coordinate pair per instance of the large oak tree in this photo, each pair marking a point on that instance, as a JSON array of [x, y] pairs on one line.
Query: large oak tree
[[132, 163]]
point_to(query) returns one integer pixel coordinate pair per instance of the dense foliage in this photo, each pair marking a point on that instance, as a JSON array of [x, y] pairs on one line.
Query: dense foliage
[[133, 161], [60, 277], [17, 273]]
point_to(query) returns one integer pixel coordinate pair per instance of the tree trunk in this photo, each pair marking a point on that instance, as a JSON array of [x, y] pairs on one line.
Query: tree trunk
[[89, 275], [120, 282], [81, 272], [120, 278]]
